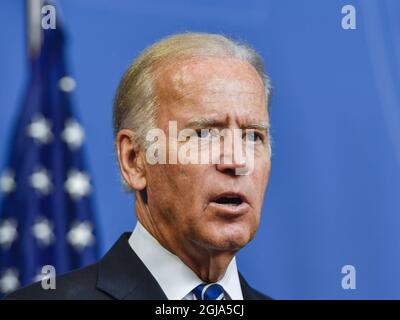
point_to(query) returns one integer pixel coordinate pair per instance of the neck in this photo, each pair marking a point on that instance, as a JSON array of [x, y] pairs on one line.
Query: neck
[[208, 264]]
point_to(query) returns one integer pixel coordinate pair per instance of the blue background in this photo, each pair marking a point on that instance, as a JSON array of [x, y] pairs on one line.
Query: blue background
[[334, 193]]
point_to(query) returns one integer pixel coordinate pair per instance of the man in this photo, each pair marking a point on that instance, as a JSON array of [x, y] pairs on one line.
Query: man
[[192, 217]]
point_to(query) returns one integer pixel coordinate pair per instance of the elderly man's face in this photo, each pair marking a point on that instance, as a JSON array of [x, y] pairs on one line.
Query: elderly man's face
[[208, 204]]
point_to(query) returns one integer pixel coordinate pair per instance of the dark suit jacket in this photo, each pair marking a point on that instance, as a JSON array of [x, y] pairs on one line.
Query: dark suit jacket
[[120, 274]]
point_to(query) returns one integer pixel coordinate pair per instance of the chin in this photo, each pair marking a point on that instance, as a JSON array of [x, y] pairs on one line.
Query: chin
[[225, 236], [229, 242], [231, 245]]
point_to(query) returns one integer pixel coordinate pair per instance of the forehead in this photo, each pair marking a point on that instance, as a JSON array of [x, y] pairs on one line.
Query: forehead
[[209, 86]]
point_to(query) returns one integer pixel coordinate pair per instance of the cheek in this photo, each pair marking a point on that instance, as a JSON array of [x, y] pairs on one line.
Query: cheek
[[181, 184], [267, 171], [261, 178], [161, 186]]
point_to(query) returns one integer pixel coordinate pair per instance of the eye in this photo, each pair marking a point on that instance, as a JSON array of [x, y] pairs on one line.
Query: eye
[[254, 137], [207, 133], [202, 133]]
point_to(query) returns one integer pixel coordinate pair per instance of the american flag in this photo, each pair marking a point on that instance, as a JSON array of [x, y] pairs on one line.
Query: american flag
[[46, 213]]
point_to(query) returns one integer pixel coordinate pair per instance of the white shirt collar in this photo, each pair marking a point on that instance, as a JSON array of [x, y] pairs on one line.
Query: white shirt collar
[[175, 278]]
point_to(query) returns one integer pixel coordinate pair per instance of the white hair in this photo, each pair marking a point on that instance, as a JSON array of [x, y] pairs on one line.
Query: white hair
[[135, 102]]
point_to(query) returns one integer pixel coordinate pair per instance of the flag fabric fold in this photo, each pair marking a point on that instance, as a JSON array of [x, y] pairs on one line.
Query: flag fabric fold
[[46, 212]]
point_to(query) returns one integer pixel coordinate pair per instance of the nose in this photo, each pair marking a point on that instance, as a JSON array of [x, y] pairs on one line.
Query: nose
[[231, 168], [231, 159]]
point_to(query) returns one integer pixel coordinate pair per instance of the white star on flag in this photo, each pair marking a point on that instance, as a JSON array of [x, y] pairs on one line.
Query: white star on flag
[[42, 230], [67, 84], [77, 184], [7, 181], [40, 130], [80, 235], [8, 233], [40, 180], [73, 134], [9, 281]]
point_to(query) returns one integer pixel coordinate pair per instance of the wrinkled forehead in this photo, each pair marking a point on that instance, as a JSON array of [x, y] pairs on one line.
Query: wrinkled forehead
[[202, 76]]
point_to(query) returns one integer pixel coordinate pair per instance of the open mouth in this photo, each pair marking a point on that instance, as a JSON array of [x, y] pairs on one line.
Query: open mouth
[[229, 200], [230, 204]]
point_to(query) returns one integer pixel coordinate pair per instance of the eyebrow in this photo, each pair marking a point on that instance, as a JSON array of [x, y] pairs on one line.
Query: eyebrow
[[206, 122], [258, 126]]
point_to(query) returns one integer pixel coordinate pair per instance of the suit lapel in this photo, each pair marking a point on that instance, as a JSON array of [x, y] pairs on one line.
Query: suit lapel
[[123, 275]]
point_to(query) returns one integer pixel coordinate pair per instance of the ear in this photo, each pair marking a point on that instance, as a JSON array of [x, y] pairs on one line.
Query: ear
[[130, 160]]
